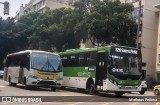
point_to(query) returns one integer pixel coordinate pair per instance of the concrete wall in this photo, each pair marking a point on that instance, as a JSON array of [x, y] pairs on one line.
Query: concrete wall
[[149, 38]]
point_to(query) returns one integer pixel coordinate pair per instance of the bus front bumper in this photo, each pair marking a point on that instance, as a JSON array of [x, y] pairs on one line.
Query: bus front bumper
[[43, 83]]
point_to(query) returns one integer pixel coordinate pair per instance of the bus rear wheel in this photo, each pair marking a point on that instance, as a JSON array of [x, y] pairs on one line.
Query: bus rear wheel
[[91, 90]]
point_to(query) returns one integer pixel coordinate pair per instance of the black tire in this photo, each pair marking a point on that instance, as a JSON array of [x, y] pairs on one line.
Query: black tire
[[63, 87], [142, 92], [10, 83], [156, 92], [90, 89], [53, 88], [119, 94], [80, 90]]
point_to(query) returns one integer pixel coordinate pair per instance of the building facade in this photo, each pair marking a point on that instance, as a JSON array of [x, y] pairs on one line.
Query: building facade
[[149, 37], [24, 9], [42, 6]]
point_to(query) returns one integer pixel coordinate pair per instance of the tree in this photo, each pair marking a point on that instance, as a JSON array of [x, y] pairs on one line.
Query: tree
[[112, 22], [57, 30], [7, 38]]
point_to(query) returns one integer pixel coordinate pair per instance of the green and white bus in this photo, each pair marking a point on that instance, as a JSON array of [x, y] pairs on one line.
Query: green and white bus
[[34, 68], [109, 68]]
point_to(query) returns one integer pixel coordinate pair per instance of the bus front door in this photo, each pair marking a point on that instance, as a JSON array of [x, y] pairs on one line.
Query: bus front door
[[101, 72], [21, 75]]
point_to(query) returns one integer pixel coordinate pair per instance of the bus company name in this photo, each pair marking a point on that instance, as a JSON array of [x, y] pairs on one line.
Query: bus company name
[[129, 51]]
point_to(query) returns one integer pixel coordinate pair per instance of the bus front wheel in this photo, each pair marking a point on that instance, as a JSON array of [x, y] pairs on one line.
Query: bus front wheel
[[142, 92]]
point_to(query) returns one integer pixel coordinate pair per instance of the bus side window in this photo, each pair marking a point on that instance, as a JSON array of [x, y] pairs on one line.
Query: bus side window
[[91, 59], [81, 59], [65, 61], [8, 62], [73, 60], [11, 62], [25, 61]]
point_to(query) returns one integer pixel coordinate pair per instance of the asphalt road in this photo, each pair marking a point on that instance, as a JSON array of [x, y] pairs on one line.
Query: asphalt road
[[44, 96]]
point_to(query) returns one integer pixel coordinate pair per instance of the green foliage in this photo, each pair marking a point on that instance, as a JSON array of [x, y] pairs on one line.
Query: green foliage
[[56, 30], [104, 22], [112, 22], [8, 39]]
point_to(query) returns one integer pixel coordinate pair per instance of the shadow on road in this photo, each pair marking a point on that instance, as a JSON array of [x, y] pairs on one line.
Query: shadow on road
[[124, 97], [32, 88]]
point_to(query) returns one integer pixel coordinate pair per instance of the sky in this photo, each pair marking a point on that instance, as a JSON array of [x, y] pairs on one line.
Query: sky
[[14, 5]]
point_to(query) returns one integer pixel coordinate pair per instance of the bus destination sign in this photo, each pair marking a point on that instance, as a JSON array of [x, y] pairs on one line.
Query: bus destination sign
[[128, 51]]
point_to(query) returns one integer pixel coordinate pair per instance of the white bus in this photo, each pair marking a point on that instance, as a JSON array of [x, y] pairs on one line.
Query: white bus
[[33, 69]]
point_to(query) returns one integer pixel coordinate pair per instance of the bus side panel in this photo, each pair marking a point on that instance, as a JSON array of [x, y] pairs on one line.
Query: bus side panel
[[25, 73], [70, 82], [65, 81], [5, 75], [82, 81], [76, 76], [13, 72], [77, 82], [29, 76]]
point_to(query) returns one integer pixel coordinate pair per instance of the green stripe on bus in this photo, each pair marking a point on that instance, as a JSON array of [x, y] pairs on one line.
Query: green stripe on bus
[[78, 72]]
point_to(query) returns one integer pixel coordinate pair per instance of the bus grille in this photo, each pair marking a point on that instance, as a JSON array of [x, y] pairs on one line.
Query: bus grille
[[47, 83]]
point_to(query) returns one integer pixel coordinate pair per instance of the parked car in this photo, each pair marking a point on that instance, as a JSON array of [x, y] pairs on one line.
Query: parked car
[[1, 73], [156, 90]]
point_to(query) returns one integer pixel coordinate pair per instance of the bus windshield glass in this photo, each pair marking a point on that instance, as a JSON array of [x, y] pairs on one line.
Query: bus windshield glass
[[46, 62], [126, 64]]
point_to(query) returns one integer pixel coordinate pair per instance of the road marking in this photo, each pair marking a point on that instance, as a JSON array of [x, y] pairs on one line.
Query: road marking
[[37, 94], [135, 103], [157, 103], [107, 103], [4, 103], [2, 86]]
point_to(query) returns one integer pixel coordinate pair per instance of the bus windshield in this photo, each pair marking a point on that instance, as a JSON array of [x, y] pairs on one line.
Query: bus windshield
[[126, 64], [46, 62]]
